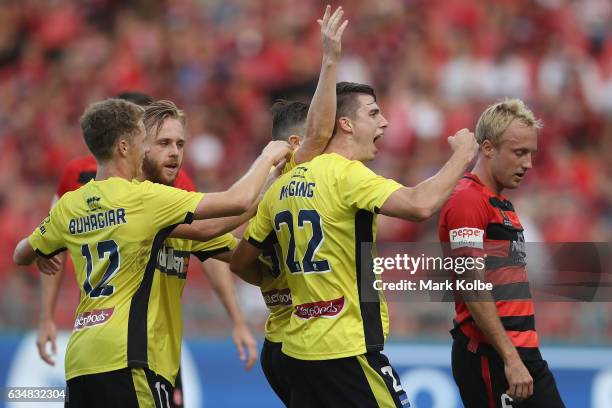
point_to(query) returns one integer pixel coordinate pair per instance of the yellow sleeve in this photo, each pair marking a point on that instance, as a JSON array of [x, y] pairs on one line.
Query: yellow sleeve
[[360, 187], [215, 246], [260, 226], [47, 239], [169, 205]]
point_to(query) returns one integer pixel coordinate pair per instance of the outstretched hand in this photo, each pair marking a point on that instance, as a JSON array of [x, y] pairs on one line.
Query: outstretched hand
[[331, 33]]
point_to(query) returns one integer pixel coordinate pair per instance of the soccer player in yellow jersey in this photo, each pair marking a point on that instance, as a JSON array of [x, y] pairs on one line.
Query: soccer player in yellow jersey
[[321, 212], [165, 126], [113, 228], [290, 121]]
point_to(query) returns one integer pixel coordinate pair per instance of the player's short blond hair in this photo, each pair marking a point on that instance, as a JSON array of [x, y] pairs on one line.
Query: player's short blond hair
[[496, 118], [157, 112]]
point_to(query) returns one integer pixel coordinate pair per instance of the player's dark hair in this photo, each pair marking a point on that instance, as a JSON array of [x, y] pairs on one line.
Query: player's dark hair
[[157, 112], [105, 122], [288, 118], [138, 98], [346, 97]]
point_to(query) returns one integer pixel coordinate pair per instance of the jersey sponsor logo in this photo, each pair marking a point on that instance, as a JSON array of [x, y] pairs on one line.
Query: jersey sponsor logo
[[324, 308], [173, 262], [97, 221], [299, 172], [466, 238], [297, 189], [93, 203], [277, 297], [42, 227], [94, 318]]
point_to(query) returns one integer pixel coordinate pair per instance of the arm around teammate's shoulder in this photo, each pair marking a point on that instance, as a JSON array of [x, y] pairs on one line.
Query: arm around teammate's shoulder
[[240, 197], [422, 201]]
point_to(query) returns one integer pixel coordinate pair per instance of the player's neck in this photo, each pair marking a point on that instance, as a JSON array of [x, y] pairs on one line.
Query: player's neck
[[342, 146], [485, 176], [113, 168]]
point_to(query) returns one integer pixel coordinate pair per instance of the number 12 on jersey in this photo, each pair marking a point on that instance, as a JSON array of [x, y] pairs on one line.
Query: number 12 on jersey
[[308, 263], [114, 261]]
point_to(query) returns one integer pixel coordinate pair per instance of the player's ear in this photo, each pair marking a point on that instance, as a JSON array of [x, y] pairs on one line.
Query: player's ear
[[123, 147], [487, 148], [294, 141], [345, 124]]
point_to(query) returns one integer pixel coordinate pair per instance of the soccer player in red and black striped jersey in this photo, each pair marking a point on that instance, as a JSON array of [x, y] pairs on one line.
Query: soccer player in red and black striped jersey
[[496, 360]]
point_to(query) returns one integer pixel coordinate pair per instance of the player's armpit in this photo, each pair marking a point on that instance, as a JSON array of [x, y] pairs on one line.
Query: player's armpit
[[245, 263]]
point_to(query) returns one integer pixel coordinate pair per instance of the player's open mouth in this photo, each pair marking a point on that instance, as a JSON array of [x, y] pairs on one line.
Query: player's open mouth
[[171, 167], [377, 137]]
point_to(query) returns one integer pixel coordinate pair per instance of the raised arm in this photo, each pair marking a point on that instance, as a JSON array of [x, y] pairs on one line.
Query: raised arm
[[422, 201], [240, 197], [322, 112]]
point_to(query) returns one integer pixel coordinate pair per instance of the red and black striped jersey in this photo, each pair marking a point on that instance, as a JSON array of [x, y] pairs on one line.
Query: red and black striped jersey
[[477, 222], [79, 171]]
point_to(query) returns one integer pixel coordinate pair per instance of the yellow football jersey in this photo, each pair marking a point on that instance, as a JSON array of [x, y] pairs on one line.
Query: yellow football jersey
[[113, 230], [165, 317], [274, 289], [321, 212], [290, 163]]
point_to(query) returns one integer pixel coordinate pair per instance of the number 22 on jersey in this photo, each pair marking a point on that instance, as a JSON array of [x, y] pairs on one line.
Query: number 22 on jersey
[[308, 263]]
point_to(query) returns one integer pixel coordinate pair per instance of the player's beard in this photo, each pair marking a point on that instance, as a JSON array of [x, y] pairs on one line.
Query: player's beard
[[153, 172]]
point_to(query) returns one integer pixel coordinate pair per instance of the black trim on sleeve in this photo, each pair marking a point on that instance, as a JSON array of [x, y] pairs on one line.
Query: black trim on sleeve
[[51, 255], [370, 311], [204, 255], [188, 218], [256, 243], [137, 354]]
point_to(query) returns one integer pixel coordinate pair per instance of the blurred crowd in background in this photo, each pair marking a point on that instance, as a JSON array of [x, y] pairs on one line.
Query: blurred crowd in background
[[435, 64]]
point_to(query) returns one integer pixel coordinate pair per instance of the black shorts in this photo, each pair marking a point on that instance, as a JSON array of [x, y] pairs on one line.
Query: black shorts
[[364, 381], [125, 388], [482, 382], [273, 370]]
